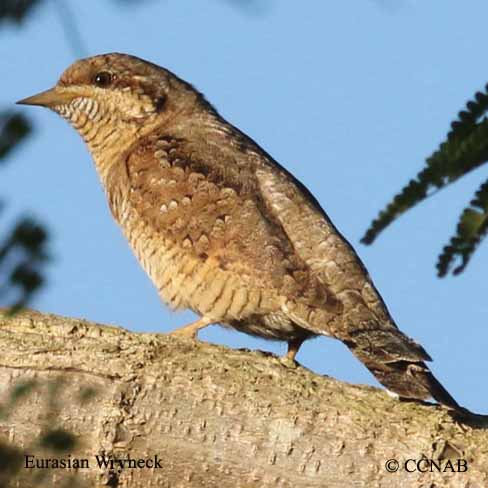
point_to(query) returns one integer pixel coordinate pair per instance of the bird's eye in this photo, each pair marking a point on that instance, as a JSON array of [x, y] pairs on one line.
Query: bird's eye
[[103, 79]]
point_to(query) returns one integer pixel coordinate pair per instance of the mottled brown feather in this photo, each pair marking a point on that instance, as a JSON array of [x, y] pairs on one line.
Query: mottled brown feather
[[221, 228]]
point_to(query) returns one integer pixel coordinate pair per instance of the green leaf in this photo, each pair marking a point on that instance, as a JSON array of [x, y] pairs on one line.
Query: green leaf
[[471, 229], [465, 149]]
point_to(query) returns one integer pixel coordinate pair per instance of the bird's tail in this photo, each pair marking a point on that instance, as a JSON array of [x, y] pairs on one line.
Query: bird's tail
[[398, 364]]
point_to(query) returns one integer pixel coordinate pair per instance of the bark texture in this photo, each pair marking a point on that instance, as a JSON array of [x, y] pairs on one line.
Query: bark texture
[[215, 417]]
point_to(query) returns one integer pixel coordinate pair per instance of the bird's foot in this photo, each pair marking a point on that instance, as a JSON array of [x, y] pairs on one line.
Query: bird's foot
[[289, 359], [392, 394], [183, 332], [289, 362], [191, 330]]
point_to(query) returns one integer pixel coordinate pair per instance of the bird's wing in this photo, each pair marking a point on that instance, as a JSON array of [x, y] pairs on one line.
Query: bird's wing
[[263, 225], [365, 325], [316, 240], [212, 208], [228, 200]]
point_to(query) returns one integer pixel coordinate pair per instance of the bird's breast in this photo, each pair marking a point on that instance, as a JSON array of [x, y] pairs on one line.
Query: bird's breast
[[208, 244], [186, 280]]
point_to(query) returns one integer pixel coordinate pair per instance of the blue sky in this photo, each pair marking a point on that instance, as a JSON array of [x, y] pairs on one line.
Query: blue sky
[[349, 96]]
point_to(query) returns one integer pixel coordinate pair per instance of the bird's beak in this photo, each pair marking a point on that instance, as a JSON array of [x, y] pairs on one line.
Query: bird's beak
[[49, 98]]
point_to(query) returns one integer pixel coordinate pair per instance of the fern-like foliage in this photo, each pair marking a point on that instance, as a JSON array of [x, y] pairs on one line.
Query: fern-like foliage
[[22, 257], [471, 228], [23, 250], [465, 148]]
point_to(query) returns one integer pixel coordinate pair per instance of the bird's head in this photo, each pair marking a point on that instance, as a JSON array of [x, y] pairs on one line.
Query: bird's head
[[107, 96]]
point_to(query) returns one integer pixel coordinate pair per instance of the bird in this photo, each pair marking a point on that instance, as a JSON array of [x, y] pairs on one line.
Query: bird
[[223, 229]]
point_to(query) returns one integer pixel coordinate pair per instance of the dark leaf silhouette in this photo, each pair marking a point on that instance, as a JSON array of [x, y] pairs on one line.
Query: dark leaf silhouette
[[22, 251], [22, 255], [16, 10], [471, 229], [465, 148], [10, 461], [13, 128], [58, 440]]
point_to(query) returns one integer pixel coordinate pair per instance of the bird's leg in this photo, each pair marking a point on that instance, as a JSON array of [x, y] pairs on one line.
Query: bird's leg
[[293, 347], [192, 329]]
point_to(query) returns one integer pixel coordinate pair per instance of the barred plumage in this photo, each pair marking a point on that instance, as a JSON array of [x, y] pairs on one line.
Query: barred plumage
[[220, 227]]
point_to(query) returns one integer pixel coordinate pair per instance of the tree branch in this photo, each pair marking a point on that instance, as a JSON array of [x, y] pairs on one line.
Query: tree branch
[[214, 417]]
